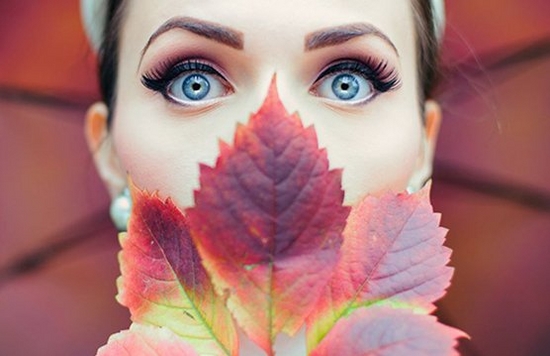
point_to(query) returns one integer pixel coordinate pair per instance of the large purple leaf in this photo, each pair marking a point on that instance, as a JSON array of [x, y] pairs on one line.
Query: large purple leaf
[[268, 222]]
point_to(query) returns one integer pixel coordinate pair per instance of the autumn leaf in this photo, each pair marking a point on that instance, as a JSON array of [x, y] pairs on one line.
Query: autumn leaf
[[268, 220], [270, 244], [392, 254], [386, 331], [146, 340], [163, 282]]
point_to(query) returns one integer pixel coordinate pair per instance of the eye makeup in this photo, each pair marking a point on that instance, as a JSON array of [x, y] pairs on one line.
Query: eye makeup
[[161, 78], [378, 72], [368, 76], [355, 81]]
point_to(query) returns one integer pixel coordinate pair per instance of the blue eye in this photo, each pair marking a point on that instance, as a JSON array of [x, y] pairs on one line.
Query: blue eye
[[349, 87], [345, 86], [188, 83], [354, 82], [193, 87]]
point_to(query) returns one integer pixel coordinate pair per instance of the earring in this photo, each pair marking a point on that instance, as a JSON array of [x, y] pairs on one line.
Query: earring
[[120, 210], [415, 185]]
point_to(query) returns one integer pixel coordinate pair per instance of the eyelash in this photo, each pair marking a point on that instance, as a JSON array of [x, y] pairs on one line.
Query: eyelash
[[160, 78], [378, 72]]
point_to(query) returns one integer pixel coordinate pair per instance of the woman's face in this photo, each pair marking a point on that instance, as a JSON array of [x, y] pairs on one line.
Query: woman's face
[[190, 70]]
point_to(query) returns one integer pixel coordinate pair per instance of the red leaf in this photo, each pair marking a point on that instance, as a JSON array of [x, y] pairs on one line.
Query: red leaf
[[163, 281], [146, 340], [385, 331], [267, 222], [392, 253]]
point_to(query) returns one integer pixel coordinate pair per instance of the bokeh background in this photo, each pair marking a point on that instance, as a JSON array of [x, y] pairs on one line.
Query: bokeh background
[[491, 182]]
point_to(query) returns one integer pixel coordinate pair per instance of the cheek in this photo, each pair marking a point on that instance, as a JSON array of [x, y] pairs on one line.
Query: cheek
[[377, 146], [377, 153], [163, 154]]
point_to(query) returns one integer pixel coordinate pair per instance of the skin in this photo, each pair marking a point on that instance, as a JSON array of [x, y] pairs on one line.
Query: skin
[[381, 144]]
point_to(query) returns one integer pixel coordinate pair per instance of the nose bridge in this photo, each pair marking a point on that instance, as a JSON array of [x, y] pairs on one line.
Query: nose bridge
[[275, 44], [280, 82]]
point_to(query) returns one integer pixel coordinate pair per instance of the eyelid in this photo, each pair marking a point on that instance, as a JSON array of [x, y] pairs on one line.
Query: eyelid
[[316, 89], [164, 74], [383, 76], [376, 73], [169, 69]]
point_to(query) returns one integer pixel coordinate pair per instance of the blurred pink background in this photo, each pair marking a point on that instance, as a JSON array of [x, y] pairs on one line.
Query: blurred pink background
[[491, 182]]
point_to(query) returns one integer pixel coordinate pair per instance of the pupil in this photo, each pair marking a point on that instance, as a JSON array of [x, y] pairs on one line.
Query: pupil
[[345, 86], [195, 87]]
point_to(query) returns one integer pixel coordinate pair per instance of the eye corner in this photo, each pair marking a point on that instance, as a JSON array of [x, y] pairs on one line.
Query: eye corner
[[152, 83]]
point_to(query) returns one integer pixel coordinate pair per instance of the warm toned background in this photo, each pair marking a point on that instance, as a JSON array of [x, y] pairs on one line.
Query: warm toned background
[[492, 182]]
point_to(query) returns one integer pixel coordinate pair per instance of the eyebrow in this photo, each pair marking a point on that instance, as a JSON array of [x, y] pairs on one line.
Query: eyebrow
[[336, 35], [209, 30]]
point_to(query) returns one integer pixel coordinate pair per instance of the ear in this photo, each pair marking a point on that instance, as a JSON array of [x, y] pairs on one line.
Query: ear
[[432, 123], [102, 148]]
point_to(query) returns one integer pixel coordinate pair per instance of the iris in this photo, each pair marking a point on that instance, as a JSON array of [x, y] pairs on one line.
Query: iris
[[345, 86], [195, 87]]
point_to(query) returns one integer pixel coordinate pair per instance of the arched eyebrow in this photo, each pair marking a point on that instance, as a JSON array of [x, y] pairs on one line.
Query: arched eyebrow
[[206, 29], [332, 36]]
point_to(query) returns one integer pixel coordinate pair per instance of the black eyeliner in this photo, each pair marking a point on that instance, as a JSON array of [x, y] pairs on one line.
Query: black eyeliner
[[377, 72], [159, 79]]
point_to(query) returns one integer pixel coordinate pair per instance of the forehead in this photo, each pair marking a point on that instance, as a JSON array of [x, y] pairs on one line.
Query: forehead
[[287, 20]]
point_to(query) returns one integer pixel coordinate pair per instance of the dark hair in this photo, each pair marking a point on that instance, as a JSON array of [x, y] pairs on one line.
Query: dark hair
[[427, 53], [428, 48], [108, 53]]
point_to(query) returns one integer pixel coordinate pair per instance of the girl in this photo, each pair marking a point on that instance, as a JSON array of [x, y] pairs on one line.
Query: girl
[[177, 75]]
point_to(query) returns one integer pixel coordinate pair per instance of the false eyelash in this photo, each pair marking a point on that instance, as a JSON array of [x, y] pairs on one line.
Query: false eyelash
[[382, 77], [161, 77]]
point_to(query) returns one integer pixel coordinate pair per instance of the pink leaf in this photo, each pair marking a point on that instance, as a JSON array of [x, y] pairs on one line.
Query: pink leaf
[[393, 253], [146, 340], [268, 220], [163, 281], [385, 331]]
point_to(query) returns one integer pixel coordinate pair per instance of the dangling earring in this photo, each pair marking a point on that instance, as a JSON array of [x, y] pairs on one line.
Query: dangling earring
[[120, 210]]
